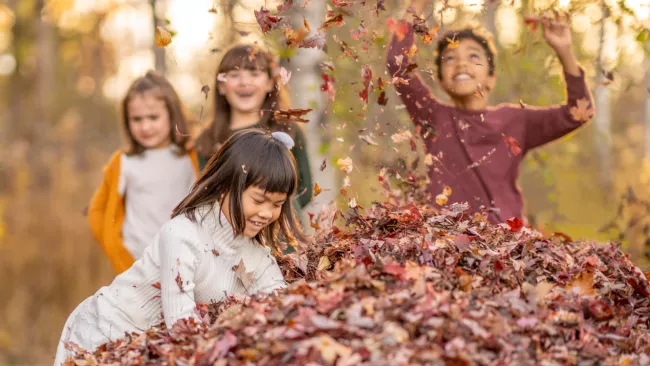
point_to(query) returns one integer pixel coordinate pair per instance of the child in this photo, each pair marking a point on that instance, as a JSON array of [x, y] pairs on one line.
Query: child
[[479, 148], [247, 93], [231, 216], [143, 183]]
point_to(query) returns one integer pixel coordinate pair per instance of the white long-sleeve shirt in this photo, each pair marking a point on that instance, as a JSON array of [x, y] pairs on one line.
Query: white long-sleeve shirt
[[192, 261]]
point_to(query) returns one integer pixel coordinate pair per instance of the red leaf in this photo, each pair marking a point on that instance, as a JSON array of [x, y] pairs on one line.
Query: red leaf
[[532, 22], [267, 21], [328, 86], [340, 3], [358, 33], [366, 77], [285, 6], [156, 285], [512, 144], [515, 224], [400, 28], [395, 270]]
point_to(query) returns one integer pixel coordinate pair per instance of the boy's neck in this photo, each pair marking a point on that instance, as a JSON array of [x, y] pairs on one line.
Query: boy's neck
[[471, 103], [241, 120]]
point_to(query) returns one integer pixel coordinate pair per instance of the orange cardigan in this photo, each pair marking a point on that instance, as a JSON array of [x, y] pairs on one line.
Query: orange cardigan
[[106, 213]]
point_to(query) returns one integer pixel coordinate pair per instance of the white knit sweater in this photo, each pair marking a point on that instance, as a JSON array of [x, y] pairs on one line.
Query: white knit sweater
[[191, 261]]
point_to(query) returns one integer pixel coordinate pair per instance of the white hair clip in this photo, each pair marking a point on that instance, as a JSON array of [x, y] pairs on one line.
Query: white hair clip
[[284, 138]]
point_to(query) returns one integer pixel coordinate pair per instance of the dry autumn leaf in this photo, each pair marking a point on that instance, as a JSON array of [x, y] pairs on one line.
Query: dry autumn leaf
[[291, 115], [162, 38], [246, 278], [317, 190], [323, 263], [345, 164], [441, 199]]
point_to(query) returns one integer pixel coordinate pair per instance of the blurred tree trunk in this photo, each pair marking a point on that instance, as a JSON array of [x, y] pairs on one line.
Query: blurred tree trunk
[[646, 111], [489, 17], [305, 92], [602, 118], [159, 52]]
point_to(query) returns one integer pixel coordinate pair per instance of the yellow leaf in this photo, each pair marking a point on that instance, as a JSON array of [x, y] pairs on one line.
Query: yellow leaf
[[413, 51], [441, 199], [163, 37], [345, 165], [323, 263], [446, 191], [317, 189], [307, 25], [453, 43]]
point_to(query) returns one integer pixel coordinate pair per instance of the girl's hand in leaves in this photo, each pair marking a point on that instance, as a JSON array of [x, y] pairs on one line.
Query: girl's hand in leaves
[[557, 32]]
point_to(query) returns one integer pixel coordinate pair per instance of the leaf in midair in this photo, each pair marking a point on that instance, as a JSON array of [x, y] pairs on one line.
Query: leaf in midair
[[285, 6], [366, 77], [306, 24], [285, 75], [317, 190], [399, 28], [323, 165], [345, 164], [162, 38], [316, 41], [267, 21], [291, 115], [246, 278], [356, 34], [336, 20]]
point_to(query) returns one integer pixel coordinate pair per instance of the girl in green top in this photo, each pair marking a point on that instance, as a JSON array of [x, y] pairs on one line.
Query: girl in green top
[[247, 93]]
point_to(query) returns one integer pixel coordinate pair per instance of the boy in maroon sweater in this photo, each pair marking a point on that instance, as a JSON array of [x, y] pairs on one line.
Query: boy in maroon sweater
[[477, 149]]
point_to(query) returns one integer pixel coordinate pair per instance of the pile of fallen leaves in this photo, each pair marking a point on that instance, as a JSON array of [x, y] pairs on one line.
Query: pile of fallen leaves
[[405, 285]]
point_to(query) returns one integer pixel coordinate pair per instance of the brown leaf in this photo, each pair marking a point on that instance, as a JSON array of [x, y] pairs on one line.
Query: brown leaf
[[336, 20], [205, 89], [323, 165], [215, 252], [291, 115], [246, 278], [179, 282]]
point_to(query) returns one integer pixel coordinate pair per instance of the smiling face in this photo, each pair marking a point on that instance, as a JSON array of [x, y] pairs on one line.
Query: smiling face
[[464, 70], [260, 209], [245, 89]]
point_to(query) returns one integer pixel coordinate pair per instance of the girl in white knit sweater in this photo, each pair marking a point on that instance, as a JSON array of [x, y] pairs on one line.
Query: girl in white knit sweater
[[233, 213]]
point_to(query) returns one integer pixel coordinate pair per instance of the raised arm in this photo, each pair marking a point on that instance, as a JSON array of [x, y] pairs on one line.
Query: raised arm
[[544, 125], [415, 94], [179, 256]]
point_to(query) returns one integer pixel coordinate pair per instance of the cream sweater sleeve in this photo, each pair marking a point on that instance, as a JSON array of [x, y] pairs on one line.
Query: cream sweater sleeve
[[268, 276], [179, 258]]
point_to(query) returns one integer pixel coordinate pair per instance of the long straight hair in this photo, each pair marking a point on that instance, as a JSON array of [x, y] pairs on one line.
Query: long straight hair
[[249, 158], [246, 57], [159, 87]]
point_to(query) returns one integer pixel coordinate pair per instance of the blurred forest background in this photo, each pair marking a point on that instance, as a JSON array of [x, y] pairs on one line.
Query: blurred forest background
[[65, 64]]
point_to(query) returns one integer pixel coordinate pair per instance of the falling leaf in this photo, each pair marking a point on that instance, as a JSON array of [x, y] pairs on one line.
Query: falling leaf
[[453, 43], [317, 190], [179, 282], [294, 38], [215, 252], [336, 20], [399, 28], [358, 33], [582, 112], [446, 191], [156, 285], [323, 165], [366, 77], [368, 140], [162, 38], [323, 263], [205, 89], [512, 144], [515, 224], [291, 115], [213, 9], [441, 199], [246, 278], [328, 86], [285, 6], [532, 22], [345, 164], [352, 203], [306, 24], [340, 3], [285, 75], [317, 41], [382, 100], [401, 137], [267, 21]]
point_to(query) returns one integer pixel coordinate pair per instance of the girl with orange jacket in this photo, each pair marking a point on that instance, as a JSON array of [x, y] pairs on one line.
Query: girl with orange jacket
[[144, 182]]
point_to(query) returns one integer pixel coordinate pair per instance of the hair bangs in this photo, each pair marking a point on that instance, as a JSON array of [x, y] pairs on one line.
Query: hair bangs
[[245, 58], [272, 172]]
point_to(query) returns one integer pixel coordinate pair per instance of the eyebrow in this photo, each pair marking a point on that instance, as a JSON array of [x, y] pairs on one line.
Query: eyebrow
[[266, 198]]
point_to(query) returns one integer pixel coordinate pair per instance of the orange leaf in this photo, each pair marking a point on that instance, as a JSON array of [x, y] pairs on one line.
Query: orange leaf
[[306, 25], [582, 111], [162, 37], [317, 190]]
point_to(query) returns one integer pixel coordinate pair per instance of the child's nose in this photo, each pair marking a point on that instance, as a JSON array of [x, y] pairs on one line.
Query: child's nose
[[266, 214]]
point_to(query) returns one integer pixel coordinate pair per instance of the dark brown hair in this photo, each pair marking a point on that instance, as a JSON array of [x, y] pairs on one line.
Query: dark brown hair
[[268, 164], [156, 84], [475, 33], [248, 57]]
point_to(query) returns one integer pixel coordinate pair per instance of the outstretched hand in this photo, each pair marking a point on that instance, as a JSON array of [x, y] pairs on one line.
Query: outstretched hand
[[557, 32]]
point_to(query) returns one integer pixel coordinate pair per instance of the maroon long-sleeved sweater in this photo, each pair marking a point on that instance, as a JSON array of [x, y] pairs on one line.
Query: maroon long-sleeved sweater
[[475, 161]]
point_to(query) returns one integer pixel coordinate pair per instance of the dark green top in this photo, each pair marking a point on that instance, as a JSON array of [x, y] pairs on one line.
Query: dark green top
[[304, 191]]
